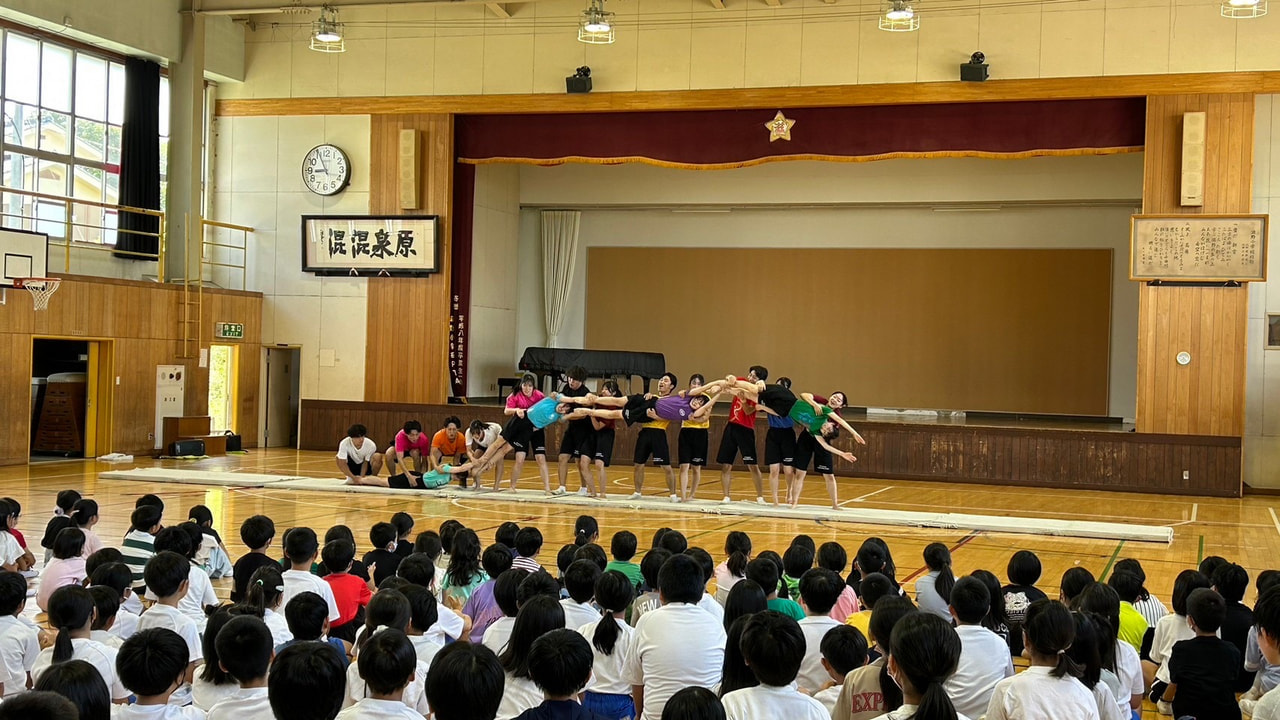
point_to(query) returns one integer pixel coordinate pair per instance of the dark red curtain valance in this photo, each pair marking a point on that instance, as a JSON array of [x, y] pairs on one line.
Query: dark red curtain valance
[[735, 138]]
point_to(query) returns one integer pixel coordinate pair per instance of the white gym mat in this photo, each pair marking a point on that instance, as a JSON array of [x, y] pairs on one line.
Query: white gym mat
[[870, 516], [197, 477]]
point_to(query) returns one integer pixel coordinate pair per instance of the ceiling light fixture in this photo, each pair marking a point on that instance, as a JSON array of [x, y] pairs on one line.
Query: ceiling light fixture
[[899, 16], [326, 33], [596, 25], [1244, 9]]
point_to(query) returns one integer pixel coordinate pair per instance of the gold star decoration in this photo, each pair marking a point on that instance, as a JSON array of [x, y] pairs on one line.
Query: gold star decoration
[[780, 127]]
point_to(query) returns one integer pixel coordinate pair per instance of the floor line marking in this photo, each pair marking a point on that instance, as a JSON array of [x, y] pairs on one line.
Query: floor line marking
[[1200, 552], [1274, 520], [1195, 510], [875, 492], [1114, 554]]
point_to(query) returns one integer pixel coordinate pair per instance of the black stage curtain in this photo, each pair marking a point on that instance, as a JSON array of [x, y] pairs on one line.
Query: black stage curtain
[[140, 159]]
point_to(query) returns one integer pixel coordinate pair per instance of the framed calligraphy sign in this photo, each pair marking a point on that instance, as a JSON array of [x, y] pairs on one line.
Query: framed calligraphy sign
[[1198, 248], [370, 245]]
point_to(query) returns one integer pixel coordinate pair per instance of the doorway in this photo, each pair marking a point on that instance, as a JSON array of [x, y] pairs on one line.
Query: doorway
[[283, 390], [71, 395], [224, 366]]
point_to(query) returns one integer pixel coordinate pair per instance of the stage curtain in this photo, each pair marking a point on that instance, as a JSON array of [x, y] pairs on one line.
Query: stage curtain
[[559, 252], [738, 138], [140, 159]]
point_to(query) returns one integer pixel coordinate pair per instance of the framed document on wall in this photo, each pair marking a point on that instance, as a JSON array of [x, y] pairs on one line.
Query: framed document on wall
[[370, 245], [1198, 248]]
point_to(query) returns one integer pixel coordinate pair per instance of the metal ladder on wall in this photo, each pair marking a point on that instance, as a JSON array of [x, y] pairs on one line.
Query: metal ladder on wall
[[190, 304]]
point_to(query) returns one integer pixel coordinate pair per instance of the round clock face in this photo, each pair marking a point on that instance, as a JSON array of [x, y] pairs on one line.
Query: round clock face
[[325, 170]]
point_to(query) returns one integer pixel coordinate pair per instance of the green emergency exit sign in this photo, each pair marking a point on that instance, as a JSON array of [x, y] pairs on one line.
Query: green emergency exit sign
[[226, 330]]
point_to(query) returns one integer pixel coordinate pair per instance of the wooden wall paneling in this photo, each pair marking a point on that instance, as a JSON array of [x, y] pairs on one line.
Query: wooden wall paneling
[[141, 319], [406, 355], [1249, 83], [980, 329], [1207, 396]]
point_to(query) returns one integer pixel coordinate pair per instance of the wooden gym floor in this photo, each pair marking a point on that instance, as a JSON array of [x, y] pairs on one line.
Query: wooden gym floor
[[1243, 530]]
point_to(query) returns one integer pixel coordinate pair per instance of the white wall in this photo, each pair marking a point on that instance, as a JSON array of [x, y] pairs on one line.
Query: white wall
[[1262, 378], [257, 181], [151, 28], [750, 223], [495, 239]]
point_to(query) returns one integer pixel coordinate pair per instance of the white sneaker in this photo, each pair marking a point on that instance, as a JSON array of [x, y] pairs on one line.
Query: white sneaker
[[558, 491], [582, 492], [759, 501], [675, 498], [726, 499], [29, 573], [635, 496], [1164, 708]]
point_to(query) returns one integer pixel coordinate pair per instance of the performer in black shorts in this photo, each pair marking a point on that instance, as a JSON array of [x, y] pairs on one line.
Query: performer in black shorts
[[651, 441], [575, 431], [597, 448], [693, 442], [739, 437], [780, 448]]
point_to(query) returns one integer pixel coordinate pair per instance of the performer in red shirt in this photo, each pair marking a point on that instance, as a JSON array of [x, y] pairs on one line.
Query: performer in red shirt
[[740, 438]]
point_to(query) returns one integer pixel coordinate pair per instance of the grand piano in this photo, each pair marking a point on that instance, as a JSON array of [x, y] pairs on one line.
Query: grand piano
[[553, 362]]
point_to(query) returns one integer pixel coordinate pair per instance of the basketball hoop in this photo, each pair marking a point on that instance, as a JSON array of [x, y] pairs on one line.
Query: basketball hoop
[[41, 289]]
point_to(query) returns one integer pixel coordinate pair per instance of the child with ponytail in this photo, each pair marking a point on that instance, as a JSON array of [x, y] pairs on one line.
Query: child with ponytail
[[737, 549], [1050, 689], [924, 652], [608, 694], [85, 515], [933, 590], [67, 566], [71, 613], [263, 596]]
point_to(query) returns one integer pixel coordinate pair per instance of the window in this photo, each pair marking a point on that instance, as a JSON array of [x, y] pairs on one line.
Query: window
[[63, 112]]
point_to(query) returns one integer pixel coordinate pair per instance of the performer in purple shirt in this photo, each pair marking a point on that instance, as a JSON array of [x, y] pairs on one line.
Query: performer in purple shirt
[[643, 408]]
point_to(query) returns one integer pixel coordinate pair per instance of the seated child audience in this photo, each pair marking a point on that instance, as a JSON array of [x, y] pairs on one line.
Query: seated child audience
[[301, 547], [538, 616], [1133, 627], [819, 590], [676, 645], [14, 555], [1023, 573], [166, 576], [389, 610], [984, 656], [307, 681], [211, 554], [1050, 689], [831, 555], [745, 598], [693, 703], [933, 589], [66, 567], [1074, 581], [307, 615], [773, 646], [764, 573], [1266, 613], [350, 592], [869, 691], [342, 532], [387, 664], [997, 621], [212, 684], [63, 503], [264, 598], [423, 612], [734, 673], [623, 548], [117, 576], [464, 573], [19, 641], [505, 593], [873, 587], [737, 550], [382, 559], [607, 693], [506, 535], [580, 580], [465, 683], [648, 600], [71, 613], [256, 533], [138, 545], [560, 664], [82, 684], [528, 545], [244, 649], [1171, 629], [708, 566], [1268, 675], [482, 607], [200, 594], [153, 666], [84, 515], [1231, 582], [106, 605], [1148, 605], [38, 705], [923, 652], [1086, 651], [1203, 670], [796, 561], [844, 649], [1118, 656], [403, 523]]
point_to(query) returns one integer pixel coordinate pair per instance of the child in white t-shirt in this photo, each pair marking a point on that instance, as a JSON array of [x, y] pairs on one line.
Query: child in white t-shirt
[[166, 575], [153, 665], [844, 649], [773, 647], [607, 691], [387, 665], [244, 649], [1050, 689], [71, 612], [19, 642], [924, 651]]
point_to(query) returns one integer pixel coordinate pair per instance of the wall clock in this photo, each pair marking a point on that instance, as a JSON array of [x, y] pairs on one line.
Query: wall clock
[[326, 170]]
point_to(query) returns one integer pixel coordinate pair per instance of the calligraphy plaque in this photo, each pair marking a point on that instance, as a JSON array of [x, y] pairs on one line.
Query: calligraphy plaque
[[370, 245], [1198, 248]]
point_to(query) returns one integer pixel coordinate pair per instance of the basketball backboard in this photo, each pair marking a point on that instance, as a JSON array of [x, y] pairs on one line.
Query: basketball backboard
[[23, 254]]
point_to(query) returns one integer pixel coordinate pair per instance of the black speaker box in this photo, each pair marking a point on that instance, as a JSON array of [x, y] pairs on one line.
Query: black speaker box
[[574, 84], [974, 73]]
